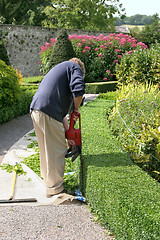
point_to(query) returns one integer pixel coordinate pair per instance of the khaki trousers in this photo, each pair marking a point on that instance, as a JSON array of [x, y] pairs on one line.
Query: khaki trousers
[[52, 145]]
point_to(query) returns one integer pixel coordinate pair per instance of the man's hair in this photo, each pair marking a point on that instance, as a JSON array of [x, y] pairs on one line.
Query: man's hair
[[80, 63]]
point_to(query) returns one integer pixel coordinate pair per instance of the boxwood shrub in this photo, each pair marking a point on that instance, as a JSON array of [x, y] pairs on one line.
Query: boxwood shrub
[[18, 108], [32, 80], [100, 87], [139, 66], [20, 105], [124, 197], [9, 85]]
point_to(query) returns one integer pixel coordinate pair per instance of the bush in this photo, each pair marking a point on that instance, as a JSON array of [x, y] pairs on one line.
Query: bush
[[99, 54], [15, 98], [136, 122], [32, 80], [109, 96], [62, 51], [150, 34], [3, 51], [139, 66], [9, 85], [125, 198], [101, 87], [18, 108]]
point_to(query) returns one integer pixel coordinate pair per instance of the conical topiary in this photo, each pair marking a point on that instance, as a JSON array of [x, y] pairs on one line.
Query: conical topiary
[[63, 50]]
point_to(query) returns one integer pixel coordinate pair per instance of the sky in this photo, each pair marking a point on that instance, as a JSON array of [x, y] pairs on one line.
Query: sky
[[142, 7]]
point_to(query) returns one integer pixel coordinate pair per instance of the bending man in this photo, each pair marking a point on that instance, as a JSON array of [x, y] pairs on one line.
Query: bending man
[[62, 87]]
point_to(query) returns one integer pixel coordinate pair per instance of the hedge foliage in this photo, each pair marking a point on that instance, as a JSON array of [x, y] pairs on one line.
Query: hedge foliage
[[32, 80], [21, 105], [149, 34], [124, 197], [140, 66], [135, 120], [100, 87], [18, 108], [28, 88], [4, 55], [9, 85]]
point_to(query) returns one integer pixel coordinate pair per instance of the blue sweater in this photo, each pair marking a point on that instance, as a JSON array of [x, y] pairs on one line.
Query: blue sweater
[[57, 89]]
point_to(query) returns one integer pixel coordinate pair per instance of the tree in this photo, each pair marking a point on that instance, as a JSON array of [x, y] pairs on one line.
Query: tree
[[134, 20], [150, 34], [22, 12], [82, 14], [3, 51]]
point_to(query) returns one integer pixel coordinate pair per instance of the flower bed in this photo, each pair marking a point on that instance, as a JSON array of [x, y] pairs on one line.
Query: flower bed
[[99, 53], [136, 122]]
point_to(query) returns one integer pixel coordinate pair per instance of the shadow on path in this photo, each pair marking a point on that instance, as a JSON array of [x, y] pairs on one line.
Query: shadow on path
[[12, 131]]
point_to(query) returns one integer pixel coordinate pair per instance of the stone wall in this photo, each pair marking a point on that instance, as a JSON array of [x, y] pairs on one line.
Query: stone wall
[[23, 44]]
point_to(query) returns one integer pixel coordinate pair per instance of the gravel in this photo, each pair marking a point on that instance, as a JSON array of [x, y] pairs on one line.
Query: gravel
[[67, 222]]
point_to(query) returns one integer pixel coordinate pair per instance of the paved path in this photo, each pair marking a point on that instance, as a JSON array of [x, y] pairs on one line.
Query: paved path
[[12, 131]]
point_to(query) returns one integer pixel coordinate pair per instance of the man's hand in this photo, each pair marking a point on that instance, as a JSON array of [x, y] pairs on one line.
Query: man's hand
[[71, 143], [75, 117]]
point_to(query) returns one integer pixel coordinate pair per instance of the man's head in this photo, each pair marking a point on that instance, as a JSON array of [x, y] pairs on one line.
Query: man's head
[[80, 63]]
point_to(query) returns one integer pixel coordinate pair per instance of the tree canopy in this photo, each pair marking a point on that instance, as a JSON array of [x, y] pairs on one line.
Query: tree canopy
[[82, 14], [137, 19], [77, 14], [149, 34], [20, 12]]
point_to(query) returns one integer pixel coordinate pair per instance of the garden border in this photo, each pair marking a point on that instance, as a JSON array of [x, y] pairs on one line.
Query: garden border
[[124, 197]]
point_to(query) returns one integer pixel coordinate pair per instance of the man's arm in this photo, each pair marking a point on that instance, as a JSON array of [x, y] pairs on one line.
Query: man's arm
[[77, 102], [65, 123]]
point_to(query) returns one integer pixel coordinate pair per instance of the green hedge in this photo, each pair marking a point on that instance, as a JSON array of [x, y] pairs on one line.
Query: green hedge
[[32, 80], [30, 86], [139, 66], [98, 87], [3, 51], [9, 85], [18, 108], [101, 87], [125, 198]]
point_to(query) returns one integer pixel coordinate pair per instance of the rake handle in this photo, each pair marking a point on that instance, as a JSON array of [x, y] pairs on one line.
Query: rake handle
[[13, 185]]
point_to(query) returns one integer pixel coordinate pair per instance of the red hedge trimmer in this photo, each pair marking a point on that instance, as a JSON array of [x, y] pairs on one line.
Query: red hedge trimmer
[[75, 135]]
